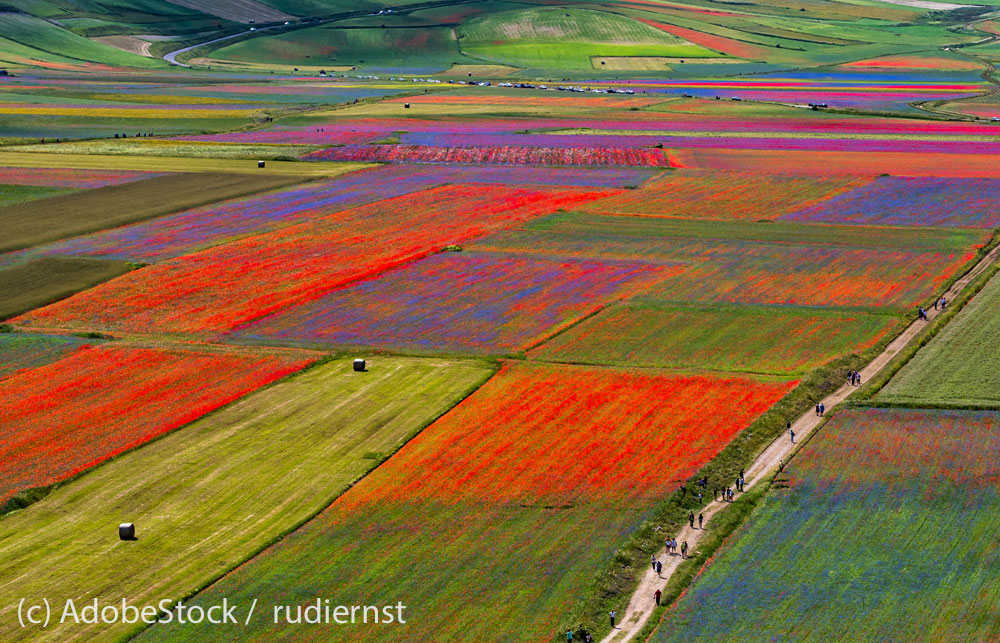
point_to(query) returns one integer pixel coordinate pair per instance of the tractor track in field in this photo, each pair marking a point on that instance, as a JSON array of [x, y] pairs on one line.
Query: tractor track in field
[[642, 604]]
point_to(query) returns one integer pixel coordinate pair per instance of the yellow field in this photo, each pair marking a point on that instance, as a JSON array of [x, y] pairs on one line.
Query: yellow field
[[173, 164], [152, 147], [129, 112]]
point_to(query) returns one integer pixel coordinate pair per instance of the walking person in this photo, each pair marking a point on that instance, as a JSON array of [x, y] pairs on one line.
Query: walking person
[[715, 492], [612, 615], [659, 568], [822, 409], [700, 519], [684, 549], [657, 595], [569, 635], [817, 409], [791, 434], [652, 560], [691, 519]]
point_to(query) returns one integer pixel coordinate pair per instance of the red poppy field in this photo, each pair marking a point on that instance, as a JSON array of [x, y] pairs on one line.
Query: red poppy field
[[69, 415], [218, 289], [535, 476]]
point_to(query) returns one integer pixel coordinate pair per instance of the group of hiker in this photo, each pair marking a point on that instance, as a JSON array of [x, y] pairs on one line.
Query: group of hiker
[[853, 379], [938, 303], [670, 545]]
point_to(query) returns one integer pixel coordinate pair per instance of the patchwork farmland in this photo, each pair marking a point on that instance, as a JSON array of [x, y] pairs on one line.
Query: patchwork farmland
[[462, 312]]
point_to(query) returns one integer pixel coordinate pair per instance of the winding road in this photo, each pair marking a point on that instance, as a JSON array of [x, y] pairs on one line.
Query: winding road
[[172, 56]]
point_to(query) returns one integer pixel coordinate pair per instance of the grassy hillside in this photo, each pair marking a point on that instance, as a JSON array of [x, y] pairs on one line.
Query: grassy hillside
[[49, 42], [556, 38], [329, 45]]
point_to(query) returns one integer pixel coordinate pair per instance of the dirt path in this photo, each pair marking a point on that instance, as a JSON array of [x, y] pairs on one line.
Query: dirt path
[[642, 603]]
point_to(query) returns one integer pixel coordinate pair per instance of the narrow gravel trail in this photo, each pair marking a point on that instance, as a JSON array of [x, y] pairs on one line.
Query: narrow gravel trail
[[643, 603]]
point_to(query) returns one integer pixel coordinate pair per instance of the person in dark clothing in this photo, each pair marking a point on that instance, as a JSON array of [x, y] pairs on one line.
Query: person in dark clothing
[[657, 595], [700, 520], [691, 519]]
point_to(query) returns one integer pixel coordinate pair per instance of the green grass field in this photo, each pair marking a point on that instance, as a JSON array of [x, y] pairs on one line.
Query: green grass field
[[750, 339], [960, 367], [98, 124], [581, 225], [37, 222], [14, 194], [206, 497], [566, 38], [34, 283]]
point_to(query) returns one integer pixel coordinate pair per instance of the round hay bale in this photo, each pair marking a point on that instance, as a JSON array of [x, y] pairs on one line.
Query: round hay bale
[[359, 365], [126, 531], [260, 163]]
